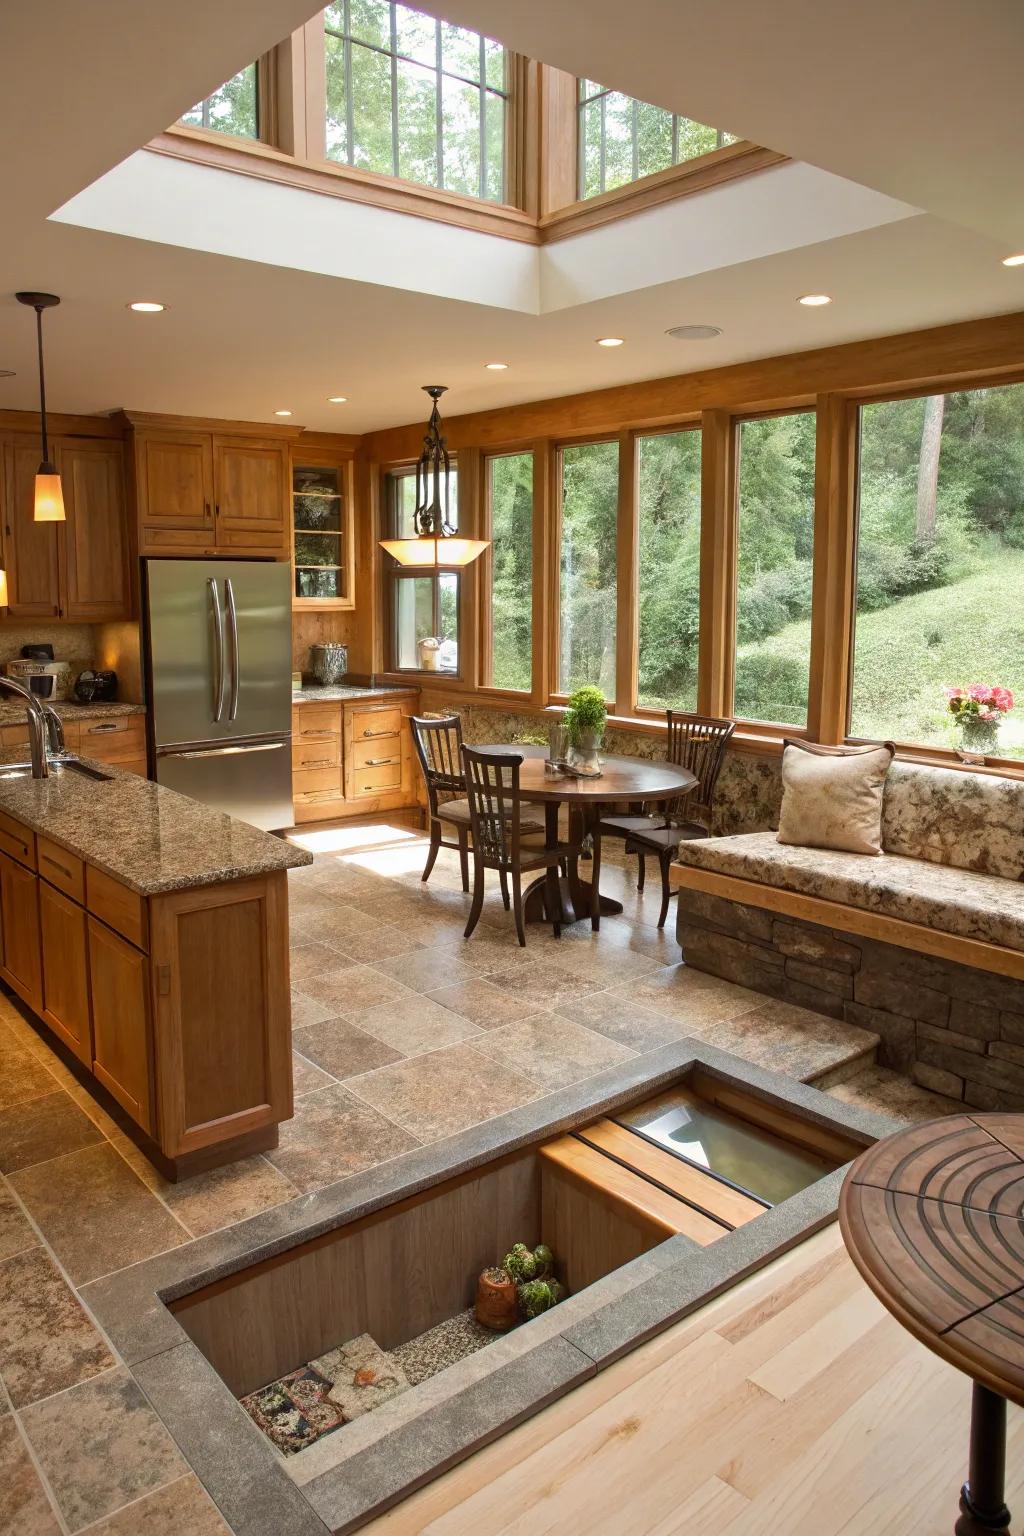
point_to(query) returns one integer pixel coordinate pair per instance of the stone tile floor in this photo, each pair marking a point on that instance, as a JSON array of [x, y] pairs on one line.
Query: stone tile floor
[[404, 1033]]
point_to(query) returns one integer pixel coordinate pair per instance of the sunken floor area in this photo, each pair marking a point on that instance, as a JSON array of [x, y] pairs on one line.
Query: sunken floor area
[[404, 1034]]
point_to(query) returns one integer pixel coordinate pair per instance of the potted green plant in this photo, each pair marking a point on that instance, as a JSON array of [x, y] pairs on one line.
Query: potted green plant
[[585, 721]]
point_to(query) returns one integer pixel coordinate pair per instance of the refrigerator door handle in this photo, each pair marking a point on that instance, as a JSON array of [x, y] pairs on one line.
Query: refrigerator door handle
[[233, 621], [261, 746], [218, 649]]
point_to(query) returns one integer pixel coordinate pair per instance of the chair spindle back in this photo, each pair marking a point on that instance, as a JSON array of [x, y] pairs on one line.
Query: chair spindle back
[[698, 742], [438, 746], [492, 789]]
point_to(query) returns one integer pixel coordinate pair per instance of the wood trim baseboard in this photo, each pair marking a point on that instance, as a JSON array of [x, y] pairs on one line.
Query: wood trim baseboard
[[978, 953]]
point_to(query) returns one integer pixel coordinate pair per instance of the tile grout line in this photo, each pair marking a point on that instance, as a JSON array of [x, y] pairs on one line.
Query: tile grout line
[[37, 1467], [180, 1478]]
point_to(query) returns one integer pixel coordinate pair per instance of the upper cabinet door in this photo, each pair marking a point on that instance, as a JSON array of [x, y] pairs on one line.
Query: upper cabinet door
[[252, 495], [33, 569], [175, 481], [96, 585]]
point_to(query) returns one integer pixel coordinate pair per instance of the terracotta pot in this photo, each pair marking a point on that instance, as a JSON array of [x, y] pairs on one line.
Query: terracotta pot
[[497, 1306]]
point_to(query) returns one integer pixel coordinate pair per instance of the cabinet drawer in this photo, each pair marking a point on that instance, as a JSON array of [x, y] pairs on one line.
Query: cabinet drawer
[[367, 724], [316, 752], [62, 869], [382, 776], [374, 754], [314, 722], [121, 733], [17, 840], [307, 779], [120, 908], [318, 805]]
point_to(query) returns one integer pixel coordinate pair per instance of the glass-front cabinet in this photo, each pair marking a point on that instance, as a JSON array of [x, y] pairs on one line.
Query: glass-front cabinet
[[322, 532]]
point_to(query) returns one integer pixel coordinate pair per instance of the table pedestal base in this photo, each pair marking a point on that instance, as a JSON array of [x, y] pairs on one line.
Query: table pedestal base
[[575, 902], [982, 1502]]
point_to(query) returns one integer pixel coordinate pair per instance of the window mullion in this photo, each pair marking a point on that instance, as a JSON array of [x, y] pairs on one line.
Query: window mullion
[[635, 136], [350, 113], [394, 89], [602, 161], [482, 98], [439, 103]]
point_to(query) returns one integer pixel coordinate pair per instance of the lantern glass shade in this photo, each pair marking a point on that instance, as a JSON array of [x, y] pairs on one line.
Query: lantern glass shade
[[48, 506], [3, 589], [429, 551]]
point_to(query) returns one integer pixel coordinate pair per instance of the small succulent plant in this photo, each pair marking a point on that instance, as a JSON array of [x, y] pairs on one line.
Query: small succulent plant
[[520, 1263]]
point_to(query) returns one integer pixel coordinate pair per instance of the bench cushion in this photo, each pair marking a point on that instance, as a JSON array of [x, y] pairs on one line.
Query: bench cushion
[[970, 820], [950, 900]]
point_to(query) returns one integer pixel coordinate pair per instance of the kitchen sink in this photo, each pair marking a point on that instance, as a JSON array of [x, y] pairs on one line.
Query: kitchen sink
[[57, 765]]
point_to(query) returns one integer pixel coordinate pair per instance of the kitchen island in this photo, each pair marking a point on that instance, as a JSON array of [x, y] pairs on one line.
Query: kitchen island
[[149, 934]]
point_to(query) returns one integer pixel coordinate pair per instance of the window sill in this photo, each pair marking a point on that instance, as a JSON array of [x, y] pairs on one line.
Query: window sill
[[249, 157]]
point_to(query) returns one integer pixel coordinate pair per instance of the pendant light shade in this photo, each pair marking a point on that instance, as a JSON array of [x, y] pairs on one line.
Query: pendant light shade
[[437, 541], [48, 505], [3, 589]]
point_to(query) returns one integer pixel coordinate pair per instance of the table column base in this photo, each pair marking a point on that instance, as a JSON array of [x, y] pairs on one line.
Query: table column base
[[982, 1502], [575, 902]]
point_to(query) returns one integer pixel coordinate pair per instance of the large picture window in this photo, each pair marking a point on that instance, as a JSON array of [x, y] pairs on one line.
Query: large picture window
[[510, 498], [234, 108], [587, 567], [940, 564], [411, 96], [423, 605], [621, 139], [774, 568], [668, 565]]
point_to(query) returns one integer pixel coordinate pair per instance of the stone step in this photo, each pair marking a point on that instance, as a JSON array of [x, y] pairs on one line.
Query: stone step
[[890, 1093], [812, 1047]]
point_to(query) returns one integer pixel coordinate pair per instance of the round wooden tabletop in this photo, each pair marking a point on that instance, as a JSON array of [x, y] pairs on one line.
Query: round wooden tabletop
[[622, 778], [933, 1218]]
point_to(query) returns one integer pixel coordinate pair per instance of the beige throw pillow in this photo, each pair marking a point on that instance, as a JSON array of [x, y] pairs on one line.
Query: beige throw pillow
[[832, 796]]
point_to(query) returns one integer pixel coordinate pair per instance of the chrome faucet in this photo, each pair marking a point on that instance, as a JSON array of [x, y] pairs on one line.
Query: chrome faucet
[[40, 732]]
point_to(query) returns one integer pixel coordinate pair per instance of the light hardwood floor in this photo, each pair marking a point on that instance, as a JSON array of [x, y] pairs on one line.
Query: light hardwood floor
[[793, 1406]]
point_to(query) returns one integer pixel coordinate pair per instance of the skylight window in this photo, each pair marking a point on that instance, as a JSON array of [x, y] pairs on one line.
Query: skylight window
[[233, 108], [622, 139]]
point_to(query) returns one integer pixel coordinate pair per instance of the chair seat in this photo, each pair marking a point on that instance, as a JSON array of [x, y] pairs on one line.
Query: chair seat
[[530, 820], [644, 831]]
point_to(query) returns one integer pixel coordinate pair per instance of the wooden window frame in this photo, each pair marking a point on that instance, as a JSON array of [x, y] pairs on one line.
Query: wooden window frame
[[484, 572], [554, 572], [392, 573]]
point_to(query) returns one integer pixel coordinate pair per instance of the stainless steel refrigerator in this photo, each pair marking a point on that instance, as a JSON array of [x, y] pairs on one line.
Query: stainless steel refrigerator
[[218, 666]]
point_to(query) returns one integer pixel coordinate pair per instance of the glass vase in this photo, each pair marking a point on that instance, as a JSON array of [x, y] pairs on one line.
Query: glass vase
[[978, 738]]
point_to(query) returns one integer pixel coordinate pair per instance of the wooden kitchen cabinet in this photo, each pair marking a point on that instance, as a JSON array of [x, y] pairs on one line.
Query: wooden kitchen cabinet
[[65, 970], [201, 492], [122, 1034], [30, 548], [21, 960], [353, 757], [77, 569], [93, 542]]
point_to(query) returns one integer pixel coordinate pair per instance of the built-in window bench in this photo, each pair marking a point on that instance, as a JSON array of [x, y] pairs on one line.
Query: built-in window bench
[[923, 944]]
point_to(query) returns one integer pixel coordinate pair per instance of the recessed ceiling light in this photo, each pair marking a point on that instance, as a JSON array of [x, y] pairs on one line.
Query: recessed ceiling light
[[282, 413], [1014, 261], [694, 332], [496, 367], [609, 341], [336, 399], [814, 300], [147, 307]]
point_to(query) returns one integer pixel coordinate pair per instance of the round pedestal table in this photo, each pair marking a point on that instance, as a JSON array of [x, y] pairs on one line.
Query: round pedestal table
[[932, 1218], [622, 779]]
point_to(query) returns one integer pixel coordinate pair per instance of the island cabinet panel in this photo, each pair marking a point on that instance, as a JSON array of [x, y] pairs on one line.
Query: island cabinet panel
[[65, 956], [20, 958], [219, 959], [122, 1033]]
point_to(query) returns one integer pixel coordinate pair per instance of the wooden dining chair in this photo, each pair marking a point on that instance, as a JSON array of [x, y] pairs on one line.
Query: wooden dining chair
[[438, 745], [696, 742], [499, 828]]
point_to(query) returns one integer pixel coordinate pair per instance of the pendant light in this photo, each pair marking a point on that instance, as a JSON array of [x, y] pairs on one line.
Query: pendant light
[[437, 541], [48, 506]]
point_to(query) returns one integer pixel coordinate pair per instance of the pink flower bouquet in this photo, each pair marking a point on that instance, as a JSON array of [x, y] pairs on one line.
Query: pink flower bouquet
[[979, 701]]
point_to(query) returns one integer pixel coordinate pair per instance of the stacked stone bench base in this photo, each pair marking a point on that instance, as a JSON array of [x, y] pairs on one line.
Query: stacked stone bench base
[[953, 1029]]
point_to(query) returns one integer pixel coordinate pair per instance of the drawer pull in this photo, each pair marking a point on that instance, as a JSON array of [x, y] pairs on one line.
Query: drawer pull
[[321, 762], [321, 794], [57, 865], [320, 734], [378, 733], [379, 762], [95, 730]]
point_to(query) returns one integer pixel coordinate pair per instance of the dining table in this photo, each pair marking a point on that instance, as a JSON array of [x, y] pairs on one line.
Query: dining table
[[623, 781]]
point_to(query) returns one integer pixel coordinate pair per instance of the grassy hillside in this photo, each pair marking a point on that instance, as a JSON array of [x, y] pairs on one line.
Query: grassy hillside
[[969, 632]]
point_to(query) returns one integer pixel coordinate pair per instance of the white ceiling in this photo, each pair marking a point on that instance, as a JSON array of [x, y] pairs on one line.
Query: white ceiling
[[249, 333]]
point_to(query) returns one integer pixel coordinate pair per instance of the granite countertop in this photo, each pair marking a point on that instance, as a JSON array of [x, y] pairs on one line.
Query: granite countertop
[[151, 839], [12, 712], [322, 693]]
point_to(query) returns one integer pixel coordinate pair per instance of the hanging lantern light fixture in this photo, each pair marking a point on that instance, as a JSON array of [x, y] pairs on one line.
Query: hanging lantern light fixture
[[437, 540], [48, 505]]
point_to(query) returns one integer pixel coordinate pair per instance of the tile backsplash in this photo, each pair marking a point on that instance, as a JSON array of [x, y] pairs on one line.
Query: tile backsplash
[[75, 643]]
